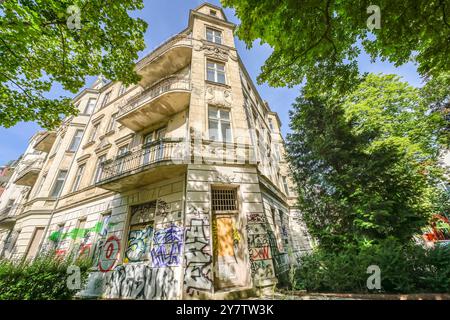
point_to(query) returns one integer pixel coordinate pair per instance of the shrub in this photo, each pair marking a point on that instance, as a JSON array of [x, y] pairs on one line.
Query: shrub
[[44, 278], [404, 269]]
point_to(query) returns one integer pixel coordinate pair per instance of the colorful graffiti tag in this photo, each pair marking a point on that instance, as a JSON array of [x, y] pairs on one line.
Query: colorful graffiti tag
[[138, 244], [108, 254], [167, 246]]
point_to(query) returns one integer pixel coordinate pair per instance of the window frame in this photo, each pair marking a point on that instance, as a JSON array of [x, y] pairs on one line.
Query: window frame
[[72, 147], [220, 122], [112, 122], [99, 168], [214, 35], [62, 180], [94, 131], [234, 189], [87, 106], [147, 258], [78, 177], [106, 99], [216, 71]]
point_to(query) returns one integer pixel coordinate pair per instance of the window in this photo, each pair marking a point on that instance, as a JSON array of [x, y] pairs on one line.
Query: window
[[76, 140], [41, 184], [213, 12], [219, 125], [106, 99], [224, 199], [271, 125], [122, 89], [286, 186], [35, 241], [59, 182], [121, 158], [216, 72], [141, 232], [10, 203], [90, 106], [57, 145], [78, 176], [99, 170], [213, 35], [94, 131], [112, 123]]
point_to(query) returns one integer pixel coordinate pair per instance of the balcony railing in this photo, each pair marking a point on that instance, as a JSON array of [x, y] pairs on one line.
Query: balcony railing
[[169, 84], [29, 173], [169, 151], [10, 211]]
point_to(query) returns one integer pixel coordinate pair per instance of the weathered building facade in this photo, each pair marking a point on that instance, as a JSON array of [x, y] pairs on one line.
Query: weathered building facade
[[177, 187]]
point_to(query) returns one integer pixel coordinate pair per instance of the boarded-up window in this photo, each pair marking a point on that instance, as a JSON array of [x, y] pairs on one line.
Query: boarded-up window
[[224, 199], [141, 232]]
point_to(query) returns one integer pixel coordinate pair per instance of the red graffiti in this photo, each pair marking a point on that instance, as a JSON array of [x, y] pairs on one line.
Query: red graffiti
[[108, 254], [262, 253]]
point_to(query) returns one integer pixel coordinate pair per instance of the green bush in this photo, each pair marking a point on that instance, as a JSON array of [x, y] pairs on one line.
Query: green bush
[[404, 269], [44, 278]]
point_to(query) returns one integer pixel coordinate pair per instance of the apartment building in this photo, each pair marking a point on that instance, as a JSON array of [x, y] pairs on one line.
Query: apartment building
[[177, 186]]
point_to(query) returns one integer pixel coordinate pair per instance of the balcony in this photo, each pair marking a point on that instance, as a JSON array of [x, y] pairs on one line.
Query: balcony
[[159, 160], [170, 57], [164, 99], [45, 142], [29, 174], [7, 214]]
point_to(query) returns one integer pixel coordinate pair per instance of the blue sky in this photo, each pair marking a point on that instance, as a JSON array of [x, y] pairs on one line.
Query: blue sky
[[168, 17]]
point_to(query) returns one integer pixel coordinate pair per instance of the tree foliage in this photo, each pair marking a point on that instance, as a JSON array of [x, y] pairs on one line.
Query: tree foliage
[[365, 162], [41, 44], [321, 40]]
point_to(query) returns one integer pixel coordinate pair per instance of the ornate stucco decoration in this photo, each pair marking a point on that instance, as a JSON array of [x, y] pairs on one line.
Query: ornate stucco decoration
[[213, 51], [217, 96]]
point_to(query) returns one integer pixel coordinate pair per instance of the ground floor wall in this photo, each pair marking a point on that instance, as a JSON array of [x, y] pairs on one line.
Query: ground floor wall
[[170, 240]]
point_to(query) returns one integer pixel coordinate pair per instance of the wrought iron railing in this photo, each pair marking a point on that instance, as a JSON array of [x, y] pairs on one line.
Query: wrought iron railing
[[171, 151], [166, 85]]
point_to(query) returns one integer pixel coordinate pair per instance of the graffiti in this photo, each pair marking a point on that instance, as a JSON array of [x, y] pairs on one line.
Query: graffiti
[[140, 281], [262, 269], [198, 273], [281, 263], [78, 233], [255, 218], [108, 254], [138, 244], [163, 208], [258, 240], [197, 211], [262, 253], [256, 228], [167, 245]]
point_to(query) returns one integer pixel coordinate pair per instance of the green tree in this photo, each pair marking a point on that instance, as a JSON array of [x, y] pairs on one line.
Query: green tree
[[43, 42], [321, 40], [365, 162]]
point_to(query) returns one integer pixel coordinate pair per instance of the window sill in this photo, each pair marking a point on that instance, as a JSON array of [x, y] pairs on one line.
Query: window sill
[[218, 84], [87, 145], [109, 133]]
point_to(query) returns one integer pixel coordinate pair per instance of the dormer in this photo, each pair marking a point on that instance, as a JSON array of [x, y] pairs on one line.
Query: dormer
[[211, 10]]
